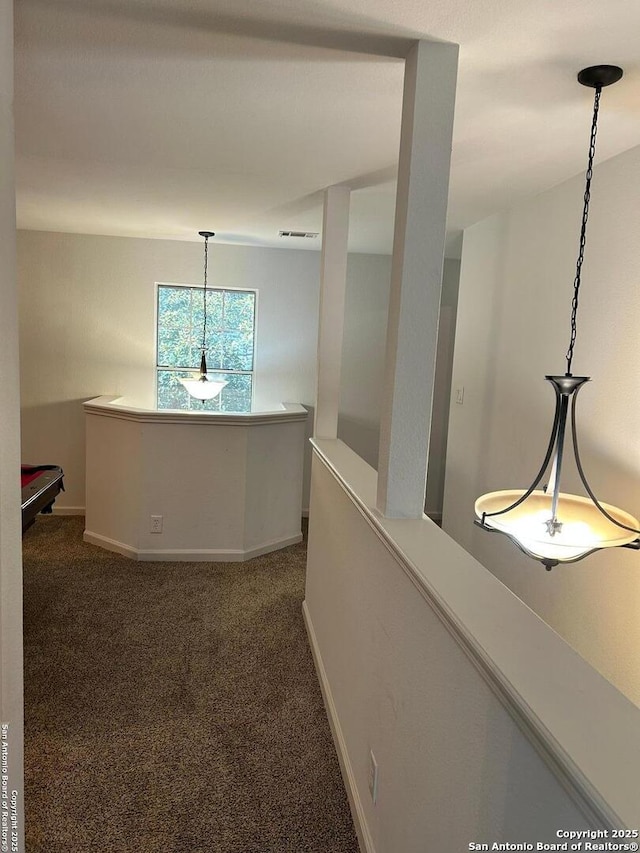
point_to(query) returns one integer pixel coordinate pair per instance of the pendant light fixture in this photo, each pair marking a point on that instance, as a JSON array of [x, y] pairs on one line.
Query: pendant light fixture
[[203, 386], [548, 524]]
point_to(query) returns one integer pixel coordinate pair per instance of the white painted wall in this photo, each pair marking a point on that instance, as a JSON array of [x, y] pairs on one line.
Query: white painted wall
[[225, 487], [87, 328], [363, 348], [11, 713], [513, 328], [366, 307], [416, 277], [482, 720], [333, 283], [434, 496]]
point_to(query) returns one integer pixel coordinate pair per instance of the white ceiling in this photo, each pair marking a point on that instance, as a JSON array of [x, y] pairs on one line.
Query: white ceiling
[[160, 118]]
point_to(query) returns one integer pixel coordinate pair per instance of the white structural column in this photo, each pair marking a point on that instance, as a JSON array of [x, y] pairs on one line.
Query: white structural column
[[416, 277], [11, 701], [333, 279]]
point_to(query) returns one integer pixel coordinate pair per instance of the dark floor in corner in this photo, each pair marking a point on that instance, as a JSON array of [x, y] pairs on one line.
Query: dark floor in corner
[[172, 707]]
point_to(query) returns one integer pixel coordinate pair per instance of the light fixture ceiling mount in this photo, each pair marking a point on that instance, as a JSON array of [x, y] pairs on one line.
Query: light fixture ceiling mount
[[547, 524], [599, 76]]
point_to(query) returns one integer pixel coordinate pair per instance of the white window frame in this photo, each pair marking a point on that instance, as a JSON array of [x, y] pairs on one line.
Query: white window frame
[[156, 367]]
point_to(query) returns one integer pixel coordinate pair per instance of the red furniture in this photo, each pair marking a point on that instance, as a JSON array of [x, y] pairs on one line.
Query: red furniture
[[41, 485]]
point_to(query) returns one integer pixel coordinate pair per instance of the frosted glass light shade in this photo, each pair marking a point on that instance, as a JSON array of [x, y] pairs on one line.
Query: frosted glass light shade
[[204, 387], [584, 527]]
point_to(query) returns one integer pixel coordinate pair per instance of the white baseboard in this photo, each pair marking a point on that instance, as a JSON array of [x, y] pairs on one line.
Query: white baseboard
[[186, 554], [357, 812], [68, 510], [110, 544]]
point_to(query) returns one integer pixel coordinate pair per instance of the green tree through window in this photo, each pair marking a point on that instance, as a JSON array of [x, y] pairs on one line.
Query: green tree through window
[[229, 345]]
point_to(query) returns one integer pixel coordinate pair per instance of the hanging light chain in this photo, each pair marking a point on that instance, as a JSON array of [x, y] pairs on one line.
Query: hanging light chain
[[204, 294], [583, 229]]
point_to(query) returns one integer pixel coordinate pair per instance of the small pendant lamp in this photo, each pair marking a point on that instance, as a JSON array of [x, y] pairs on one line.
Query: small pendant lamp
[[203, 386], [547, 524]]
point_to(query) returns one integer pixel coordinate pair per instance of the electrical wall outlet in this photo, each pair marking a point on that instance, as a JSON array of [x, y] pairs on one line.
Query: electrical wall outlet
[[460, 395], [373, 777], [155, 524]]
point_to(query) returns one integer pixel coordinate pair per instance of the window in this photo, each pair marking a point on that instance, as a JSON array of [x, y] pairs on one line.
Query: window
[[229, 345]]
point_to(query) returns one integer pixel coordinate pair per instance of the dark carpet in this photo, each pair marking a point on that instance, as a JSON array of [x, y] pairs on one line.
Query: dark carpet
[[172, 707]]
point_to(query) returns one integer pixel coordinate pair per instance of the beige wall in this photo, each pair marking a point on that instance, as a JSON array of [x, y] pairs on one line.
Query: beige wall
[[10, 557], [224, 488], [513, 328], [485, 725], [442, 389], [87, 328], [365, 331]]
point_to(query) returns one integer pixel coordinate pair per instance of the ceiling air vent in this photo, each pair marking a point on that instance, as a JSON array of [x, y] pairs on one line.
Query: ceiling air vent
[[298, 233]]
